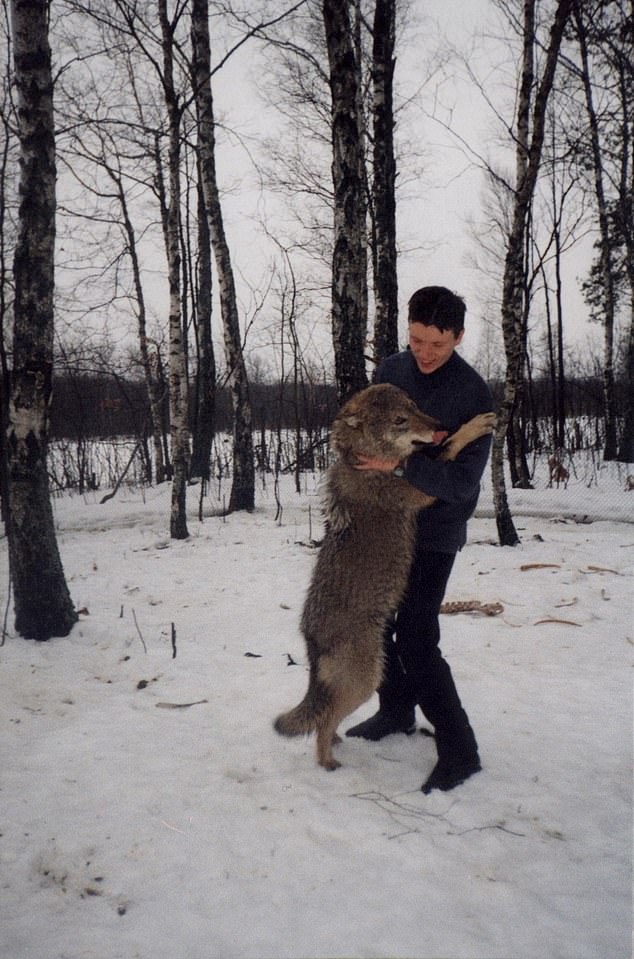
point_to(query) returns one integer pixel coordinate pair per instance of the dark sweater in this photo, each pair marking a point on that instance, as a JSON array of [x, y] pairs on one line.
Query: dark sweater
[[452, 394]]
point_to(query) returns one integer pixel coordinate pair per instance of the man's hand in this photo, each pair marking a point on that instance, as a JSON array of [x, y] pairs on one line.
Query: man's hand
[[379, 466]]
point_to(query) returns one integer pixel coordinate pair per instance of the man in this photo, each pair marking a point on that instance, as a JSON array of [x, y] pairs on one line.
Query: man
[[443, 385]]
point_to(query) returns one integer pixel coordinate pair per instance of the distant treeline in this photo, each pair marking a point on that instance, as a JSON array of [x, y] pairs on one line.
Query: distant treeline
[[99, 407], [100, 428]]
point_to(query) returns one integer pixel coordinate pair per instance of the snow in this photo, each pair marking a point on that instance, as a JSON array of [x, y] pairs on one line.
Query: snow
[[134, 825]]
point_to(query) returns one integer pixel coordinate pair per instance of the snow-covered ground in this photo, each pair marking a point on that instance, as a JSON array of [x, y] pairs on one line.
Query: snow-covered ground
[[149, 811]]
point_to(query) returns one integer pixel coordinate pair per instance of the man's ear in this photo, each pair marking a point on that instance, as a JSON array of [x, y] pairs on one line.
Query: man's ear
[[459, 337]]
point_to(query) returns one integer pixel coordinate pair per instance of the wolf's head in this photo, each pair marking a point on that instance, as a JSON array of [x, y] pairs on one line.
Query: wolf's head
[[382, 421]]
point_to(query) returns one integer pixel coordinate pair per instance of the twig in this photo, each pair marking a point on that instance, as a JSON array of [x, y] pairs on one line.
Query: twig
[[104, 499], [138, 630], [197, 702], [395, 809], [173, 641], [173, 828], [495, 825], [6, 610]]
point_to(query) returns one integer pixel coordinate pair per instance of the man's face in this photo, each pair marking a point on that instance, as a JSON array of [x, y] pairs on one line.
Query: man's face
[[432, 347]]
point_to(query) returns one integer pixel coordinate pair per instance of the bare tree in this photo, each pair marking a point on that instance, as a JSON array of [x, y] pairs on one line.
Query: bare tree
[[179, 425], [204, 407], [140, 113], [43, 607], [565, 212], [604, 36], [530, 127], [606, 270], [93, 141]]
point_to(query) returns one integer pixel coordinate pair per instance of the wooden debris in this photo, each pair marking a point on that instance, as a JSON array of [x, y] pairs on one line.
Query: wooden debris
[[472, 606]]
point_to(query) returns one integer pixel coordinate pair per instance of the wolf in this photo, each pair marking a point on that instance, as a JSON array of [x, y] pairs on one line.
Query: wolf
[[362, 568]]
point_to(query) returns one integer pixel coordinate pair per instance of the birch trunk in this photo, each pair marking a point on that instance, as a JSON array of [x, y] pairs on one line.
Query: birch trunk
[[179, 427], [43, 607], [152, 386], [626, 446], [384, 182], [349, 262], [626, 220], [531, 117], [243, 485], [205, 405]]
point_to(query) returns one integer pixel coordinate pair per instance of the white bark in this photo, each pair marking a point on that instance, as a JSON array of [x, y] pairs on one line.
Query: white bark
[[349, 263], [179, 426], [43, 607]]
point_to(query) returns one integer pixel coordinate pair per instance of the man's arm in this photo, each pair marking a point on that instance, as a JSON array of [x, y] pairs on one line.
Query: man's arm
[[453, 482]]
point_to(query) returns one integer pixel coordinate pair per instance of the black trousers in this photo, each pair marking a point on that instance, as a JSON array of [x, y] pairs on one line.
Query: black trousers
[[415, 671]]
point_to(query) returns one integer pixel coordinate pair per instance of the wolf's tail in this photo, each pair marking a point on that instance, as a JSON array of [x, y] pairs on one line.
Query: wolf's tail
[[302, 720], [297, 722]]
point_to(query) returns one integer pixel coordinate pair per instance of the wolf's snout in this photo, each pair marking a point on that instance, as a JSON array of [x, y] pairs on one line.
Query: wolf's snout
[[430, 436]]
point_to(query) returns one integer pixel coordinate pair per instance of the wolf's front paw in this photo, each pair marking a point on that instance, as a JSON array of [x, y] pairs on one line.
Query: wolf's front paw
[[487, 421]]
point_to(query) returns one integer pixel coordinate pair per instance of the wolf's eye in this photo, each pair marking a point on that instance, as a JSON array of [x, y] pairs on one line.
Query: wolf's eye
[[400, 420]]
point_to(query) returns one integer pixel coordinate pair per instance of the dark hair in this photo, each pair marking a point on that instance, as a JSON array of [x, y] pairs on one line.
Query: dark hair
[[437, 306]]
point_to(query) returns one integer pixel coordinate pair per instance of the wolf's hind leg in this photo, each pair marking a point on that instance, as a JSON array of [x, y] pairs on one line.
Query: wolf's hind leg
[[350, 681], [326, 738], [344, 704]]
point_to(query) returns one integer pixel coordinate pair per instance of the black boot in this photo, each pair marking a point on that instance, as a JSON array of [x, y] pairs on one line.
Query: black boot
[[384, 723], [458, 759]]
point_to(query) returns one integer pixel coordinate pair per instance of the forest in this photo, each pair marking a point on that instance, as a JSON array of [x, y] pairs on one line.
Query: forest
[[170, 275]]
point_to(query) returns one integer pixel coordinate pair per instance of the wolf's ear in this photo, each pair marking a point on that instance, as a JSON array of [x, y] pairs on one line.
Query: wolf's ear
[[350, 418], [350, 414]]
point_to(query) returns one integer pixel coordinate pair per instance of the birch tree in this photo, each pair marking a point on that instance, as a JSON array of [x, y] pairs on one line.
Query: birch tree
[[43, 606], [243, 485], [349, 260], [532, 104], [8, 167], [384, 181], [204, 408], [179, 426]]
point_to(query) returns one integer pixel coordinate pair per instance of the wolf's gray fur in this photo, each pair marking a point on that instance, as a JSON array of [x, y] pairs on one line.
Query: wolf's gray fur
[[363, 565]]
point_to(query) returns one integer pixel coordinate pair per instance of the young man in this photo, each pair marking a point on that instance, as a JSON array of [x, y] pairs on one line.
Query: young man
[[443, 385]]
